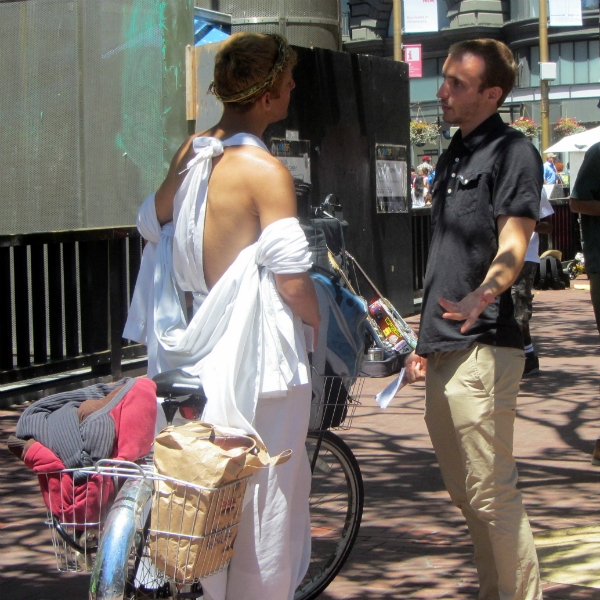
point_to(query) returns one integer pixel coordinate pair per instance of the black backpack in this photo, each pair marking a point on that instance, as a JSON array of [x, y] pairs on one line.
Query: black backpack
[[550, 275]]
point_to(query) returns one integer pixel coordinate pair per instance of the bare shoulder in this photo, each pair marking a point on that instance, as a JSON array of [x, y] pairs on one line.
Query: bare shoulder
[[269, 183], [259, 162]]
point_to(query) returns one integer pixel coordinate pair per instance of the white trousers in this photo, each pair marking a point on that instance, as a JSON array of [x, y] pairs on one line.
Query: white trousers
[[471, 400], [272, 548]]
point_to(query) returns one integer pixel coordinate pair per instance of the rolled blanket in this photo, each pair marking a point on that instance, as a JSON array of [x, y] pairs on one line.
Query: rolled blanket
[[54, 422]]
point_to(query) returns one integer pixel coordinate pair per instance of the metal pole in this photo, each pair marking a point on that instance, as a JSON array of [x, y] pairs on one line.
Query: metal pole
[[398, 30], [544, 106]]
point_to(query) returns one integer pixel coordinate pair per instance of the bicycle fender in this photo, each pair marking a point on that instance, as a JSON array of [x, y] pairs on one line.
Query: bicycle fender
[[109, 574]]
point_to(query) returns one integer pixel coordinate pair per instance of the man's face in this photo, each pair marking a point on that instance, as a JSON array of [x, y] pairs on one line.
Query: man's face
[[463, 103]]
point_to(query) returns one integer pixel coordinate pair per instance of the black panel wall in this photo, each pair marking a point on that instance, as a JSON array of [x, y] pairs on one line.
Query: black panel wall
[[345, 104]]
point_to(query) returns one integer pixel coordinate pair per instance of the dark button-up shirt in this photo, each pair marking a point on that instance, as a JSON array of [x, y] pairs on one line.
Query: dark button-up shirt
[[493, 171]]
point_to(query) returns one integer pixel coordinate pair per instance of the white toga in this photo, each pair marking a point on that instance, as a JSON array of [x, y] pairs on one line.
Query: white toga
[[250, 352]]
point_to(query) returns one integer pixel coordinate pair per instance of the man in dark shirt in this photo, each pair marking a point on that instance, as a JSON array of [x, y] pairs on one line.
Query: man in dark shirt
[[486, 197], [585, 200]]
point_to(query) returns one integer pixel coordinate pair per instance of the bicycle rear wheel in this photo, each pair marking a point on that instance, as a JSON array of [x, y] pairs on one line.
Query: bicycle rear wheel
[[336, 506]]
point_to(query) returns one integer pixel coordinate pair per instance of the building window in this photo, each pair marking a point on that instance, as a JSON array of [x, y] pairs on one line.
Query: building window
[[425, 88], [576, 63], [529, 9]]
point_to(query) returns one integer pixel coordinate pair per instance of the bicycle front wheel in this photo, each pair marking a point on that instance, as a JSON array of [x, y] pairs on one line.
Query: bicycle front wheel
[[336, 506], [122, 569]]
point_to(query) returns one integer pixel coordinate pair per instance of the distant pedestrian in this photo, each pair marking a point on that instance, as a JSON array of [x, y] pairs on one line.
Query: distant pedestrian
[[522, 289], [426, 164], [550, 176], [430, 178], [420, 189], [413, 175], [585, 200]]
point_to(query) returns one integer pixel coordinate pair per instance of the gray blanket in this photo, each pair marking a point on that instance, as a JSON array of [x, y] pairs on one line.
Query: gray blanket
[[53, 422]]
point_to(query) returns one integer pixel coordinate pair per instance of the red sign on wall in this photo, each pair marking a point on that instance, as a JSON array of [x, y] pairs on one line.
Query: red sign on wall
[[412, 56]]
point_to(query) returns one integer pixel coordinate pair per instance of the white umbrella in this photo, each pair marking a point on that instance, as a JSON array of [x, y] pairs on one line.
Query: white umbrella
[[578, 142]]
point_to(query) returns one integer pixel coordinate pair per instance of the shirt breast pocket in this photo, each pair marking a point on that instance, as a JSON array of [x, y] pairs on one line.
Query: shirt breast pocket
[[466, 194]]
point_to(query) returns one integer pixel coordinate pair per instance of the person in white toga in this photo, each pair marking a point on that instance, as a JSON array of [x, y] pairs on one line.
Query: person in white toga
[[223, 234]]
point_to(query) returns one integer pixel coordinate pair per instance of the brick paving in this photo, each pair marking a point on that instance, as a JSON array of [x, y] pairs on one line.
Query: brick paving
[[413, 543]]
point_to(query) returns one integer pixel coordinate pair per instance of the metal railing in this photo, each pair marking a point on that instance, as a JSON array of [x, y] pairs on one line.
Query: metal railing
[[66, 295], [565, 234], [421, 236], [64, 302], [565, 237]]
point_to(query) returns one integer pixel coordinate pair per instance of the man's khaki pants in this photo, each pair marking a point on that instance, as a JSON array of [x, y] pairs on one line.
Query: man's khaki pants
[[471, 399]]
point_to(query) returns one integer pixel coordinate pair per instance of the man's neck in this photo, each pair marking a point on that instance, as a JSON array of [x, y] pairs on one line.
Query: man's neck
[[470, 127], [233, 122]]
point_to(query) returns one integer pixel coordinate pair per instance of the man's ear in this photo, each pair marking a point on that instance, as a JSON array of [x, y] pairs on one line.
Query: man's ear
[[265, 101], [494, 93]]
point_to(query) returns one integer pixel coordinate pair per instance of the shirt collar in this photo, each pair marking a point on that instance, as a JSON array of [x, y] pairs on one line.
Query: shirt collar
[[471, 141]]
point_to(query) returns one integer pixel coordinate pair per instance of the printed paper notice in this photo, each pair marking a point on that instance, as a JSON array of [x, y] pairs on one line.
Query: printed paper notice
[[565, 13], [420, 16], [391, 179]]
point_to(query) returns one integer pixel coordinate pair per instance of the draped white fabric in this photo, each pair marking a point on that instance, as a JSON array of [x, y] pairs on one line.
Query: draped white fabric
[[250, 351], [243, 341]]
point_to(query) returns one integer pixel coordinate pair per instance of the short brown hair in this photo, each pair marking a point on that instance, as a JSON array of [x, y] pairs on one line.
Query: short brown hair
[[248, 65], [500, 67]]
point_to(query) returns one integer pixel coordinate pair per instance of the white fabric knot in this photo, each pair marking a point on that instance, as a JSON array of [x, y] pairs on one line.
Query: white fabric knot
[[205, 147]]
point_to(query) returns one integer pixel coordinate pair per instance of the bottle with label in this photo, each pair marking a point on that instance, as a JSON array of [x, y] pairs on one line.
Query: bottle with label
[[387, 324]]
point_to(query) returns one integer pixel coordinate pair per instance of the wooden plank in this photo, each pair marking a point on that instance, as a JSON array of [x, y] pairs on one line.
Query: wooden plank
[[6, 338], [55, 302], [117, 298], [191, 84], [71, 297], [38, 304], [22, 306], [94, 291]]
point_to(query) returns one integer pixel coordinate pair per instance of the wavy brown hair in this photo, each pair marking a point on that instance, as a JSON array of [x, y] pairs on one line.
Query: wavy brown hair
[[249, 65]]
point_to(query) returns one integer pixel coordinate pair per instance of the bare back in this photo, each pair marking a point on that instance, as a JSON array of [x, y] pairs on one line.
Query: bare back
[[248, 190]]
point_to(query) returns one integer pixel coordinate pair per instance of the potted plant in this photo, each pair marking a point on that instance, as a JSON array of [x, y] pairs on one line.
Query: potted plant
[[422, 132], [528, 127], [568, 126]]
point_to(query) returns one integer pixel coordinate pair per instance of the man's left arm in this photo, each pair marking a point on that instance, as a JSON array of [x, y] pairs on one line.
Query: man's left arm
[[514, 234], [585, 207]]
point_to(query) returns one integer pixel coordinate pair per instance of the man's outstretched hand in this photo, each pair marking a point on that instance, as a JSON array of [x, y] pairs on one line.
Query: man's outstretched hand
[[469, 308], [414, 368]]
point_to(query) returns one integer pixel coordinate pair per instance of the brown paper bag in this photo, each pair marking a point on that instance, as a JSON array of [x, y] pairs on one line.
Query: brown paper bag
[[192, 529]]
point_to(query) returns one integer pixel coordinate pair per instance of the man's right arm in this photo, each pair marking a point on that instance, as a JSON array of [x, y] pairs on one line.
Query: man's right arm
[[298, 292], [274, 197]]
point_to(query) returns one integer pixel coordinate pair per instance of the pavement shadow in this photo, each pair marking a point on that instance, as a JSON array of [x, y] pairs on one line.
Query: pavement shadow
[[27, 563]]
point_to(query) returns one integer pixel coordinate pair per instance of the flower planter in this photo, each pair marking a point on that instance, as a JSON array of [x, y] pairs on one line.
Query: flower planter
[[568, 126], [527, 127], [422, 133]]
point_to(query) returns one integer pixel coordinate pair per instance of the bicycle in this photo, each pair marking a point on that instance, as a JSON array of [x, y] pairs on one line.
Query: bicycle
[[123, 566]]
